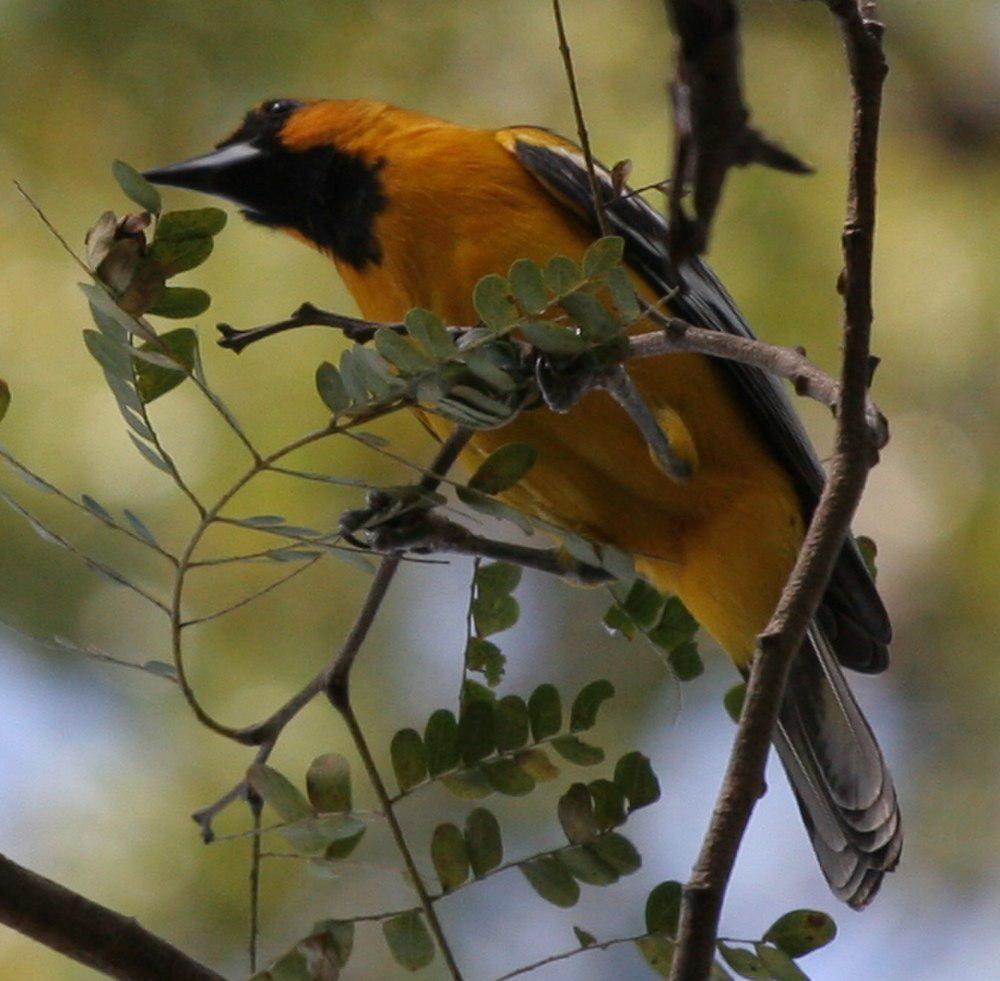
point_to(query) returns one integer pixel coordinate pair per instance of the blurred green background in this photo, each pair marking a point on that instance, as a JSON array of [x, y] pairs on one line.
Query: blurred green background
[[101, 766]]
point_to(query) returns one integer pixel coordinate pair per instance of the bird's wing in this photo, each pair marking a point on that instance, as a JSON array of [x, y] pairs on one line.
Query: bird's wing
[[852, 613]]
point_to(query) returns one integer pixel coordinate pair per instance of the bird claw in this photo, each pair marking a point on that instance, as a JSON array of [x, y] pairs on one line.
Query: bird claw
[[395, 519]]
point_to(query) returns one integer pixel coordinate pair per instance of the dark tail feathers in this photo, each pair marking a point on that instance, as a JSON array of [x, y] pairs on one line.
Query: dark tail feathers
[[843, 787]]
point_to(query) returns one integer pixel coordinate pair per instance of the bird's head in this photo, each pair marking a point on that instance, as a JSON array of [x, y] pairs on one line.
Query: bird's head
[[292, 165]]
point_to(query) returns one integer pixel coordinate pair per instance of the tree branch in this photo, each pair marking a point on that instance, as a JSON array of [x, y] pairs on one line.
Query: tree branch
[[89, 933], [853, 457], [711, 121]]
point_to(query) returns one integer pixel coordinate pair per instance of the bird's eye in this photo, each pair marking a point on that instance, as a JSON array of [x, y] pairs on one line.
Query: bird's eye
[[275, 107]]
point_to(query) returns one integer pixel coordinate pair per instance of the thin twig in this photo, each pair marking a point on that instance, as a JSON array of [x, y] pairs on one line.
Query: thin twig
[[853, 457], [581, 124], [107, 521], [256, 809], [566, 954], [808, 379], [337, 688]]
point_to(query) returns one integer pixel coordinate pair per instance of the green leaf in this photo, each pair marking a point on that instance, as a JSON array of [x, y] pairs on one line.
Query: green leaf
[[511, 723], [441, 742], [609, 804], [113, 356], [603, 255], [552, 881], [498, 578], [643, 604], [587, 867], [618, 852], [353, 375], [663, 908], [675, 626], [494, 614], [779, 965], [4, 398], [617, 621], [484, 366], [503, 468], [136, 187], [95, 508], [505, 776], [483, 841], [527, 285], [562, 275], [331, 388], [180, 346], [492, 303], [150, 455], [180, 256], [551, 338], [180, 303], [801, 931], [485, 657], [733, 700], [585, 937], [658, 953], [686, 661], [429, 331], [409, 940], [473, 691], [470, 784], [401, 352], [744, 962], [343, 847], [341, 933], [576, 815], [577, 751], [583, 714], [476, 739], [328, 783], [545, 712], [139, 527], [595, 321], [338, 833], [192, 223], [409, 759], [292, 966], [635, 778], [623, 294], [450, 857], [537, 763], [279, 792]]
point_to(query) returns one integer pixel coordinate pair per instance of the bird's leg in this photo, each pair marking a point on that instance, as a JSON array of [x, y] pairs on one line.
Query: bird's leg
[[402, 520]]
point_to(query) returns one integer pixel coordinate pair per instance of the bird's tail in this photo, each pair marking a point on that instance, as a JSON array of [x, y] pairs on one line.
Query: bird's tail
[[843, 787]]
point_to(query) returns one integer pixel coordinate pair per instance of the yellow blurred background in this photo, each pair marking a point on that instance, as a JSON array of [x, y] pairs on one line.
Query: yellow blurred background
[[101, 767]]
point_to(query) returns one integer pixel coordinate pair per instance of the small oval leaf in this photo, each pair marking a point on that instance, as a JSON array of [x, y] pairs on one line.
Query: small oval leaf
[[483, 841], [409, 940], [409, 759], [450, 856], [136, 187]]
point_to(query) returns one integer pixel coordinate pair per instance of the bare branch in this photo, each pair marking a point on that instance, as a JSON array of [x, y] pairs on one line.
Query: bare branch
[[711, 121], [853, 457], [89, 933]]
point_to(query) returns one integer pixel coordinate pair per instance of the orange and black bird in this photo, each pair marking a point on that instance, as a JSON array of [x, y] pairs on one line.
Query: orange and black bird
[[413, 211]]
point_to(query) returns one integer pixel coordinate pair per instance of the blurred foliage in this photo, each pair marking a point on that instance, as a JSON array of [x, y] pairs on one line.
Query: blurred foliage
[[82, 83]]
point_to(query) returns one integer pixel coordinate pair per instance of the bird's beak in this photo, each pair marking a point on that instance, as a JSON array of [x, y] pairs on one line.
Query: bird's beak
[[223, 172]]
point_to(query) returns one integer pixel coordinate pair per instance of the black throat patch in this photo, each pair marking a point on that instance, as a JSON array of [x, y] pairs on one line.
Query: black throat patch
[[329, 196]]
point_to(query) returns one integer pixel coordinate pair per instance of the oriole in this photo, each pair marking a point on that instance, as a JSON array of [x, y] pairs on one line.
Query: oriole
[[413, 211]]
